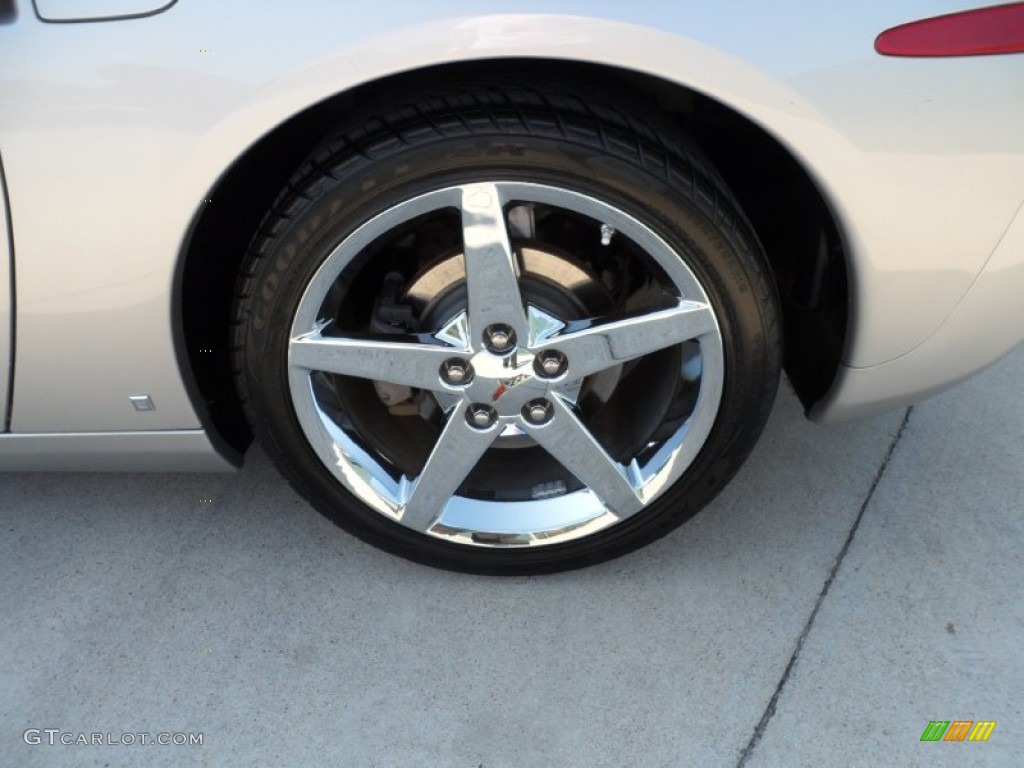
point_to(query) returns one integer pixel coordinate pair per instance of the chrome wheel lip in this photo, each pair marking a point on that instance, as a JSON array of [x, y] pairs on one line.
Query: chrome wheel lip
[[543, 520]]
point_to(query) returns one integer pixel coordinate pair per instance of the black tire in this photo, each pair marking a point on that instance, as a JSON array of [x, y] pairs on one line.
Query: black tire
[[593, 142]]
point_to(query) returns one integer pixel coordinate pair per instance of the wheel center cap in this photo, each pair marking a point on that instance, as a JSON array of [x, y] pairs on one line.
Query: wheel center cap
[[506, 382]]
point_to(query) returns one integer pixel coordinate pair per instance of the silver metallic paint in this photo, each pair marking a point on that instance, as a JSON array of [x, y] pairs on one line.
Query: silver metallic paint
[[164, 451], [115, 132], [986, 324]]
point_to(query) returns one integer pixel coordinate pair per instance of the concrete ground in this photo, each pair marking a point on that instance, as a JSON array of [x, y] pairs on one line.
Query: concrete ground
[[852, 584]]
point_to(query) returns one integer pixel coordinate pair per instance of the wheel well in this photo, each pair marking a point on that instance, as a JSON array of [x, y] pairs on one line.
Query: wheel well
[[788, 213]]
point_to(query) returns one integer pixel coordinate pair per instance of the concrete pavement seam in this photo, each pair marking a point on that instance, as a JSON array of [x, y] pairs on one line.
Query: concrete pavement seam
[[769, 711]]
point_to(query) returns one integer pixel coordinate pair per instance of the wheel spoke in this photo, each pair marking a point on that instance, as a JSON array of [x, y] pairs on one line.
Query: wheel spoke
[[604, 345], [491, 270], [567, 439], [456, 452], [415, 365]]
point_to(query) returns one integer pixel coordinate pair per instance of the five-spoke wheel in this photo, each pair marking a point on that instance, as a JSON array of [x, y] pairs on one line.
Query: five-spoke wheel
[[516, 364]]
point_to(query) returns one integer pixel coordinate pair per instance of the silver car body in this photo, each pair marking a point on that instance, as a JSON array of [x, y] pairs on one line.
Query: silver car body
[[118, 118]]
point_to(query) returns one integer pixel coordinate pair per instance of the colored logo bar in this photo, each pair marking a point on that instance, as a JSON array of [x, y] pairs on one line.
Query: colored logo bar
[[958, 730]]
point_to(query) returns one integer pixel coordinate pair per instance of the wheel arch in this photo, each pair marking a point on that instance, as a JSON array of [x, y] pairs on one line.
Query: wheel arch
[[789, 212]]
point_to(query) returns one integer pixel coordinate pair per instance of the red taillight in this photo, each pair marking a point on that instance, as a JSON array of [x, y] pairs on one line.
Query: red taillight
[[981, 32]]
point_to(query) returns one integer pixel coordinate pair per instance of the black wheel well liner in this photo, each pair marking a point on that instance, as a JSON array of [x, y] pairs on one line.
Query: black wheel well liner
[[789, 215]]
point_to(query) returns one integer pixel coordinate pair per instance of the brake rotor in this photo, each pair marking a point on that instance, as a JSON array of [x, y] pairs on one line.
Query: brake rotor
[[550, 280]]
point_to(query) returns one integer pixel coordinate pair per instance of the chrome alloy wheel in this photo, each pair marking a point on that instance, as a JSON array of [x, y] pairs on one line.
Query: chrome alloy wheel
[[503, 368]]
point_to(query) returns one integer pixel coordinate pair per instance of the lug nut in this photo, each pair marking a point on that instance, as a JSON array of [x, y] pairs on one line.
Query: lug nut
[[456, 371], [538, 411], [499, 338], [551, 363], [481, 416]]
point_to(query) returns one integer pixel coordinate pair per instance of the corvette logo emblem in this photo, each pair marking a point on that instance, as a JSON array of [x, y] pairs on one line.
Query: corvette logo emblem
[[506, 384]]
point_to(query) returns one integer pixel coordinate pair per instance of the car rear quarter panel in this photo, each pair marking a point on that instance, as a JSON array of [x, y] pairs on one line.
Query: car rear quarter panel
[[118, 131]]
